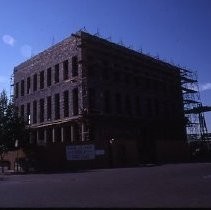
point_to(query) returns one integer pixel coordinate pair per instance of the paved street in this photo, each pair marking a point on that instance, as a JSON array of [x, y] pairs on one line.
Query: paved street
[[171, 185]]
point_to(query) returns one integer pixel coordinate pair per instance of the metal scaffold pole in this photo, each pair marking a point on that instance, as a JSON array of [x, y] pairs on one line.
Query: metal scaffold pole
[[194, 110]]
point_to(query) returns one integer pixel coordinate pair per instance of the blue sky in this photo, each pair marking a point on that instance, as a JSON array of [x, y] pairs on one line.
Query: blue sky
[[176, 30]]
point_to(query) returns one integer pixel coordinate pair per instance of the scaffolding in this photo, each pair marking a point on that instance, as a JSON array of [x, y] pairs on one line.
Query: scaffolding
[[194, 110]]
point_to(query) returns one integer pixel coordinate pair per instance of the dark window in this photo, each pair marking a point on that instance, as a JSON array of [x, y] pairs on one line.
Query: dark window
[[56, 75], [128, 105], [148, 84], [35, 82], [42, 110], [66, 104], [118, 103], [116, 76], [137, 81], [157, 107], [17, 89], [42, 79], [107, 101], [74, 66], [149, 107], [49, 77], [127, 78], [22, 111], [49, 135], [66, 133], [57, 134], [34, 111], [41, 135], [49, 108], [76, 132], [75, 101], [137, 104], [28, 85], [57, 106], [22, 87], [105, 73], [28, 113], [65, 70]]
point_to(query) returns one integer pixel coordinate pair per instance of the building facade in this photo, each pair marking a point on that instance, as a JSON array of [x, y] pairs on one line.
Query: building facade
[[86, 90]]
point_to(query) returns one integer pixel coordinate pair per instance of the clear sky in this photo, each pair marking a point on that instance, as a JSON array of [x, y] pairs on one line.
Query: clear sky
[[176, 30]]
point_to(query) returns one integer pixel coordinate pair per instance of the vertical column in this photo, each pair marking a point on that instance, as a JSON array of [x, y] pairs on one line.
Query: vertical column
[[72, 133], [62, 134], [53, 134], [82, 131], [38, 137]]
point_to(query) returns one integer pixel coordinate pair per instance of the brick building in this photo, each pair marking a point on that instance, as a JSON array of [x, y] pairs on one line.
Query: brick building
[[87, 90]]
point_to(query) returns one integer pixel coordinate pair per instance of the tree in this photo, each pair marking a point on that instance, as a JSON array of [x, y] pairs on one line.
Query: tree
[[12, 127]]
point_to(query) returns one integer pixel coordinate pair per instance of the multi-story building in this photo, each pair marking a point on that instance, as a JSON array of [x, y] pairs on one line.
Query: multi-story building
[[87, 90]]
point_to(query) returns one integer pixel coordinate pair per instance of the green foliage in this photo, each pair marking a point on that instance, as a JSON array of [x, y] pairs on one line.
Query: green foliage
[[12, 127]]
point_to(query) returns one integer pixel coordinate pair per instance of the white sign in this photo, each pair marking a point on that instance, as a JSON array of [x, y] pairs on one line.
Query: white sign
[[100, 152], [80, 152]]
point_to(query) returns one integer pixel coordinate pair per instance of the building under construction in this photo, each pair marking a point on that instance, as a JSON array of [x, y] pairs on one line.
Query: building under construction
[[91, 102]]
